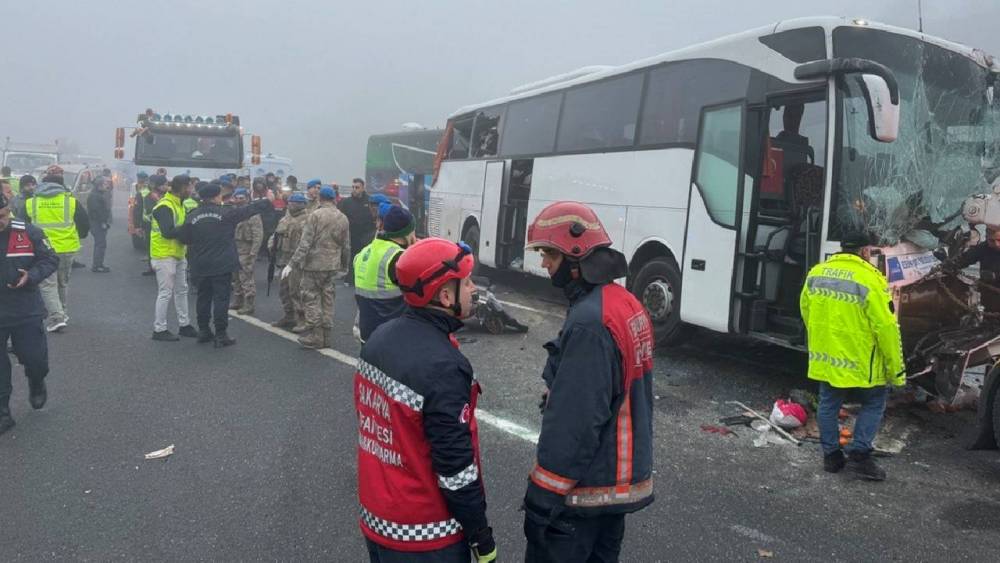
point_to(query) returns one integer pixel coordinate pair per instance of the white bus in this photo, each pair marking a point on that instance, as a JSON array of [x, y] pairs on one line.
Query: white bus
[[723, 171]]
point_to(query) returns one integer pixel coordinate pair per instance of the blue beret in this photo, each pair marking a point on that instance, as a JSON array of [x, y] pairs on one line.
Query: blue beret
[[297, 197], [326, 192], [241, 192], [314, 182], [378, 199], [142, 175]]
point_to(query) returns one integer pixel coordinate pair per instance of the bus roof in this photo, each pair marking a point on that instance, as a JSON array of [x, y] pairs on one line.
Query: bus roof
[[716, 48]]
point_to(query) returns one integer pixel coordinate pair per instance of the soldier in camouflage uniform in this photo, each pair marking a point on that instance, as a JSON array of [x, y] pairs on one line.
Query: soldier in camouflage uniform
[[283, 243], [324, 237], [249, 236]]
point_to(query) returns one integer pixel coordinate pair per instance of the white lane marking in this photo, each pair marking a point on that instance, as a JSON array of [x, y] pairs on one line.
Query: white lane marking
[[527, 308], [500, 423]]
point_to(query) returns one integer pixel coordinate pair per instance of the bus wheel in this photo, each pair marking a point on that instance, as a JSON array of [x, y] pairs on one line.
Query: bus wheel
[[658, 286], [471, 238]]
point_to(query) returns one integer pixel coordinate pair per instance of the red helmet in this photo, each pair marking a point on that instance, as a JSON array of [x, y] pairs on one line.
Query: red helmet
[[429, 264], [569, 227]]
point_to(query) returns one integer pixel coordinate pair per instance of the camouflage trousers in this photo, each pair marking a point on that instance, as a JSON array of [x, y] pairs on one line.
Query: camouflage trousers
[[244, 285], [290, 293], [318, 290]]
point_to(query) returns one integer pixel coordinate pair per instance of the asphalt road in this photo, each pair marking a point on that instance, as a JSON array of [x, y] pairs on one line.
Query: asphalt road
[[265, 447]]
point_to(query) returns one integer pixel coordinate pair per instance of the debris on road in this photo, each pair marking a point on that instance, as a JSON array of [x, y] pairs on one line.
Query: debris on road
[[712, 429], [788, 415], [756, 414], [160, 454], [764, 553]]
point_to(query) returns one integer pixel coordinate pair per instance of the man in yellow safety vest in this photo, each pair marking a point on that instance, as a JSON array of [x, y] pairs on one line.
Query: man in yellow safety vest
[[168, 256], [65, 222]]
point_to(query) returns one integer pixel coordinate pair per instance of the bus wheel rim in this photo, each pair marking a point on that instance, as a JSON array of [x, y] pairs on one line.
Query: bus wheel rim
[[658, 298]]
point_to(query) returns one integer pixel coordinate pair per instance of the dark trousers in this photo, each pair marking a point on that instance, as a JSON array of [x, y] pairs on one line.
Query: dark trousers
[[576, 540], [357, 245], [100, 245], [213, 301], [32, 350], [457, 553]]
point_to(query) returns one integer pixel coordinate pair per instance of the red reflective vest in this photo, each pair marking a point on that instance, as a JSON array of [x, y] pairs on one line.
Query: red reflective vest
[[402, 507]]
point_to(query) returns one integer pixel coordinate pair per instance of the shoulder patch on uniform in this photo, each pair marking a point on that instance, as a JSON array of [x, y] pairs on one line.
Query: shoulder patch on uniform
[[19, 225]]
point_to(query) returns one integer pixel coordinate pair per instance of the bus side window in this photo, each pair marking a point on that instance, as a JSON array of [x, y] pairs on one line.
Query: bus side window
[[486, 133], [460, 138]]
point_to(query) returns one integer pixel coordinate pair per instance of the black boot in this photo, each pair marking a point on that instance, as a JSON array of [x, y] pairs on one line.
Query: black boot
[[6, 422], [865, 467], [187, 331], [222, 339], [205, 335], [37, 393], [834, 462]]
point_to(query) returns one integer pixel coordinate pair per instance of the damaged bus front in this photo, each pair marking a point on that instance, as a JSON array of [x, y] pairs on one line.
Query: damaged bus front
[[927, 198]]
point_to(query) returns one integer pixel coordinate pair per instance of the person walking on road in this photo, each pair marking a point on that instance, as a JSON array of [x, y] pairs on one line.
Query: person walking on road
[[286, 239], [362, 223], [854, 347], [168, 256], [26, 258], [99, 209], [65, 223], [210, 233], [135, 222], [249, 234], [379, 298], [594, 460], [420, 477], [324, 237]]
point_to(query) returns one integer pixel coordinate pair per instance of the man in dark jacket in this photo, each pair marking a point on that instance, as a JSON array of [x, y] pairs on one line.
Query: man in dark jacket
[[19, 206], [419, 473], [362, 223], [26, 258], [595, 453], [209, 231], [99, 210]]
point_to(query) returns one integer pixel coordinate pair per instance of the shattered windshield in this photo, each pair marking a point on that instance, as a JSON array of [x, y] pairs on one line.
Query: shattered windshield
[[948, 137]]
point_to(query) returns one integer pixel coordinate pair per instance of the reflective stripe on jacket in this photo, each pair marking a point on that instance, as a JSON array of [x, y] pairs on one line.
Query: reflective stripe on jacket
[[160, 247], [595, 453], [371, 270], [54, 215], [853, 335]]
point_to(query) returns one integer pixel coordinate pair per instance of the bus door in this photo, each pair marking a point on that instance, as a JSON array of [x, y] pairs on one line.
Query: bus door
[[493, 186], [713, 209], [513, 216], [786, 211]]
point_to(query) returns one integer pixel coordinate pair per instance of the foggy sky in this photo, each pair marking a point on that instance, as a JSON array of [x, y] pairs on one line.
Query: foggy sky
[[315, 78]]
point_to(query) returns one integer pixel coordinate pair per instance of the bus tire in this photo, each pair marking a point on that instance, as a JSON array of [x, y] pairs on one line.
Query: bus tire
[[657, 286], [984, 434], [471, 238]]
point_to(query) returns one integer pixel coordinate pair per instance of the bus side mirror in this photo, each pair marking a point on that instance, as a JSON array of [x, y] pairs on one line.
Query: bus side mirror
[[883, 113]]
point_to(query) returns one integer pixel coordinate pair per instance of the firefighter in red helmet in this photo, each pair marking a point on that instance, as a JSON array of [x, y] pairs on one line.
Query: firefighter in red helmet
[[419, 475], [595, 454]]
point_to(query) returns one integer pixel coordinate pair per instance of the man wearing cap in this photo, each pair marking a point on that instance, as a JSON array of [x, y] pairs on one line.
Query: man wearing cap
[[855, 348], [168, 256], [379, 298], [65, 223], [249, 234], [283, 244], [312, 194], [26, 258], [324, 238], [362, 223], [19, 205], [210, 233]]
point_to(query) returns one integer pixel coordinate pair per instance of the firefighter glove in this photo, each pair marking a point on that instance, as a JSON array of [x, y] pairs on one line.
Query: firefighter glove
[[483, 546]]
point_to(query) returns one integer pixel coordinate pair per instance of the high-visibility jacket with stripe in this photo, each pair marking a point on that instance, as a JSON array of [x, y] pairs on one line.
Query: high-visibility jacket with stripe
[[160, 247], [379, 298], [419, 475], [853, 335], [595, 450], [54, 214]]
